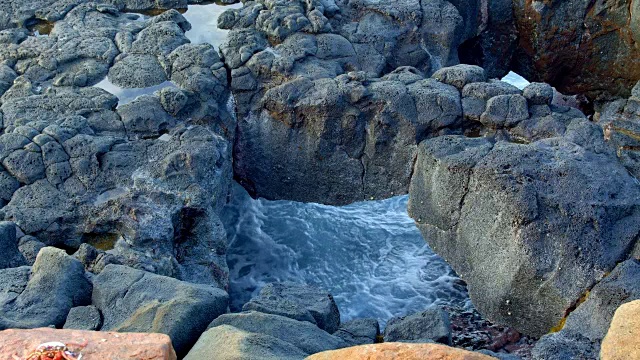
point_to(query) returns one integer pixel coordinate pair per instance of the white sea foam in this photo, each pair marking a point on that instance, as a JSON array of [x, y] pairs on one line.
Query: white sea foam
[[369, 255]]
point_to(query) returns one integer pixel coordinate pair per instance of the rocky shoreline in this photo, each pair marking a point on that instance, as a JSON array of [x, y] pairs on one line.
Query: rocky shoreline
[[110, 211]]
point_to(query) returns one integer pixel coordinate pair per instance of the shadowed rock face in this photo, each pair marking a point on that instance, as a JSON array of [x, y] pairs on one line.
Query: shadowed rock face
[[579, 46], [328, 107]]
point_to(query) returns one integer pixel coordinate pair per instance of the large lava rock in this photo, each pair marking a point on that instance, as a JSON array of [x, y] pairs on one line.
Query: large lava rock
[[132, 300], [340, 96], [303, 335], [44, 294], [529, 227], [145, 181], [226, 342], [299, 302]]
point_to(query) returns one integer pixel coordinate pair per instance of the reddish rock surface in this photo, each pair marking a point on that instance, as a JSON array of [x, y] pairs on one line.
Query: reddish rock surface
[[579, 46], [399, 351], [100, 345]]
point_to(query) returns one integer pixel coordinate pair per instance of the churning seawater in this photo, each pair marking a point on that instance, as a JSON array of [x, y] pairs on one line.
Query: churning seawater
[[369, 255]]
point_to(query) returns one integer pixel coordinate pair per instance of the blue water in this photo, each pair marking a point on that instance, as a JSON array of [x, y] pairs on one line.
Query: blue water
[[204, 23], [369, 255]]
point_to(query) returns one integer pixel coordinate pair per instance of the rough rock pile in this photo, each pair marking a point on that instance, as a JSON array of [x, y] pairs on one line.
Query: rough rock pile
[[111, 211]]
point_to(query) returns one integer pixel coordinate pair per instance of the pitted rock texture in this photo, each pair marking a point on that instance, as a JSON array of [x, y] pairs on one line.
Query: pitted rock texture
[[42, 295], [140, 184], [579, 46], [529, 227], [584, 329], [356, 137], [319, 96]]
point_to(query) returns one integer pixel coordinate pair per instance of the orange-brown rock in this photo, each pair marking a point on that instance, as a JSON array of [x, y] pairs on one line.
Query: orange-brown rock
[[623, 338], [579, 46], [99, 345], [399, 351]]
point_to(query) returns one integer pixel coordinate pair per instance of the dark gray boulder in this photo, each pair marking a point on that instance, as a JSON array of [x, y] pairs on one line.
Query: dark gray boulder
[[226, 342], [11, 255], [299, 302], [593, 316], [137, 71], [132, 300], [562, 346], [84, 318], [476, 95], [538, 94], [430, 325], [518, 219], [57, 284], [359, 332], [460, 75], [505, 111], [301, 334], [344, 140]]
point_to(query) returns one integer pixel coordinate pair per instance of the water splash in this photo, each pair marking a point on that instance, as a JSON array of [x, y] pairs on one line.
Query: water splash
[[369, 255]]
